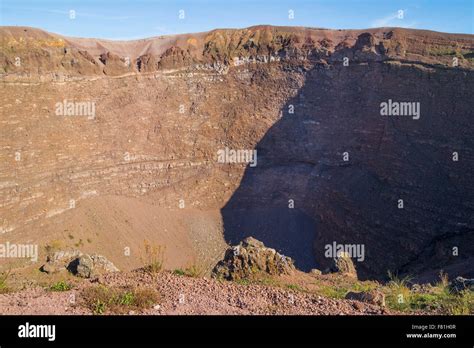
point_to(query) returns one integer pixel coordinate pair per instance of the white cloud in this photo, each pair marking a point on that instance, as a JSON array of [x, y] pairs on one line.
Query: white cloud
[[396, 19], [385, 21]]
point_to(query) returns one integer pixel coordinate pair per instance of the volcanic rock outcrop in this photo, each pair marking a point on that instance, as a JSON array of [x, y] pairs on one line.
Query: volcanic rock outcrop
[[250, 258], [78, 263], [371, 296], [343, 264], [460, 284]]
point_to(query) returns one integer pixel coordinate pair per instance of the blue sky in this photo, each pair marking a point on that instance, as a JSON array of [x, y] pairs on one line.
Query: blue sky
[[131, 19]]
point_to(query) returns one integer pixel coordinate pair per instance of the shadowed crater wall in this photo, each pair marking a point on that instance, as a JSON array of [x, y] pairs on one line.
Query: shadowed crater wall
[[300, 158]]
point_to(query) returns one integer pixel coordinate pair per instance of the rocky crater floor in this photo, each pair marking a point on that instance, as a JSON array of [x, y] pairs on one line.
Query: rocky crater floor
[[182, 295], [250, 279]]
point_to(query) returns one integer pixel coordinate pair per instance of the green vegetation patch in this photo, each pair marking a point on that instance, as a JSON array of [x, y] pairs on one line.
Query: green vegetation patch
[[60, 286], [118, 300]]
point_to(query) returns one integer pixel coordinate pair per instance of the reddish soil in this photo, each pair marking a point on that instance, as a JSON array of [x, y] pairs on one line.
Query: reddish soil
[[197, 295]]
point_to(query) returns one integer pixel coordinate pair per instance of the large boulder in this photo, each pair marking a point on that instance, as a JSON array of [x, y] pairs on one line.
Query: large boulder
[[460, 284], [343, 264], [87, 266], [315, 272], [252, 257], [376, 297], [59, 260], [78, 263], [82, 266]]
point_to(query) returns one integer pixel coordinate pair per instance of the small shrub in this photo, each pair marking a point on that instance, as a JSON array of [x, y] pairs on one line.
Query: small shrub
[[399, 293], [60, 286], [3, 281], [243, 281], [126, 299], [397, 282], [153, 258], [424, 301], [194, 271], [294, 287], [179, 272], [364, 286], [444, 302], [98, 307], [264, 279], [145, 298], [460, 304], [333, 292], [101, 299], [438, 299], [443, 281]]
